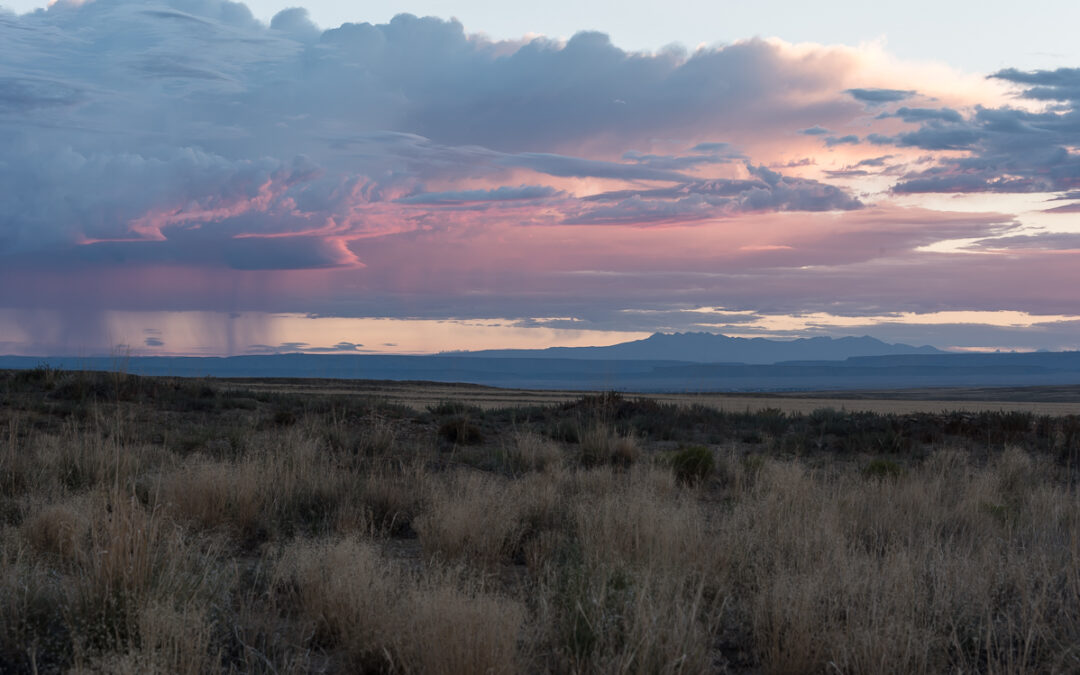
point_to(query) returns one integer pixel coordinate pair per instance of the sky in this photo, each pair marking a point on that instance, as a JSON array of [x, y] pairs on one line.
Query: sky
[[208, 177]]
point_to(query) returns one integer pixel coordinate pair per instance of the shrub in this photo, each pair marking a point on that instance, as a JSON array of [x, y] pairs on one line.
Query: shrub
[[532, 452], [460, 431], [284, 418], [601, 445], [693, 464], [472, 517], [386, 619], [882, 469], [567, 431]]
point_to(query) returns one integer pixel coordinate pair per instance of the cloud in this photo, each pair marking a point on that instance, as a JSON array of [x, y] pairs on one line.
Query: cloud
[[879, 96], [850, 139], [874, 161], [1048, 241], [1062, 84], [1008, 149], [762, 190], [704, 154], [915, 115], [561, 165], [25, 95], [186, 132], [180, 154], [296, 23], [195, 249], [1067, 208], [500, 194]]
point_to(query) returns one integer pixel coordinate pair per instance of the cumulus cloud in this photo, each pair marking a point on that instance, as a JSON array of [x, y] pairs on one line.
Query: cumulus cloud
[[185, 131], [155, 152], [1009, 149]]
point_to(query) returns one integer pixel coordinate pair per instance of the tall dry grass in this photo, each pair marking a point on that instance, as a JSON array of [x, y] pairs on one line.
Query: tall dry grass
[[471, 516], [349, 549], [382, 616], [949, 568]]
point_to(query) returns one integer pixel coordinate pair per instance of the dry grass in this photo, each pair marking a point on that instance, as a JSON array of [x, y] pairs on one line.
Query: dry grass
[[421, 395], [471, 516], [529, 451], [356, 542], [381, 616], [953, 568], [602, 445], [643, 521]]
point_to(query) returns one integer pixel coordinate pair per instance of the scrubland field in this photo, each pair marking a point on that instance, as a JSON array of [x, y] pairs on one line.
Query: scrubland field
[[152, 525]]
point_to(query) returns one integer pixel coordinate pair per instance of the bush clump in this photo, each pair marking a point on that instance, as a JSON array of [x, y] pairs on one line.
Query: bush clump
[[693, 464], [601, 445], [460, 431], [883, 469]]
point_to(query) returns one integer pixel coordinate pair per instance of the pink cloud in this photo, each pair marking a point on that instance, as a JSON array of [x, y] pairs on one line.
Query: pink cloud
[[409, 167]]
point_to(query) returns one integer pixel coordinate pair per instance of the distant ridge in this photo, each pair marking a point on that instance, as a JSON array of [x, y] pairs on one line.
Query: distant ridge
[[716, 348], [900, 371]]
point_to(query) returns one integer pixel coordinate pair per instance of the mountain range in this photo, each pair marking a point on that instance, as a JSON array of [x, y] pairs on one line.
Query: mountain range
[[672, 362], [715, 348]]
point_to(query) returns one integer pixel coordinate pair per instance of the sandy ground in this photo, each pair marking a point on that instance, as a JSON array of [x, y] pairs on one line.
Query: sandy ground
[[419, 395]]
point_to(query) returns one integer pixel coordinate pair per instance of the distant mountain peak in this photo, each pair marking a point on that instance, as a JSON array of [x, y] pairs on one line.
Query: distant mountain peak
[[705, 347]]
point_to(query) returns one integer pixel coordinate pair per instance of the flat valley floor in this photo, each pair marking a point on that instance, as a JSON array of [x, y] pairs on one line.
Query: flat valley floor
[[1058, 400]]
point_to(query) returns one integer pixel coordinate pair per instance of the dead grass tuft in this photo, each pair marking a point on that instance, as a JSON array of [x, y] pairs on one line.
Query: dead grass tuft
[[471, 516], [529, 451], [384, 617]]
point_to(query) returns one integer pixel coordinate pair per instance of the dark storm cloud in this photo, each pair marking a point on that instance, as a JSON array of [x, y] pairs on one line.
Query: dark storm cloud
[[139, 120], [24, 95], [156, 152], [193, 248]]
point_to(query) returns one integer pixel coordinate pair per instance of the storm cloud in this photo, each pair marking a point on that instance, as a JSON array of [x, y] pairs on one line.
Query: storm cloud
[[138, 122], [182, 156]]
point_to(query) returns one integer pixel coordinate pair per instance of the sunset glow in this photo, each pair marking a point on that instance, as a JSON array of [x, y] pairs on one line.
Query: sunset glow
[[182, 177]]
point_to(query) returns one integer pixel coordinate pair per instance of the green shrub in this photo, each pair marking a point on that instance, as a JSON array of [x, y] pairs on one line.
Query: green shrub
[[883, 469], [693, 464]]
